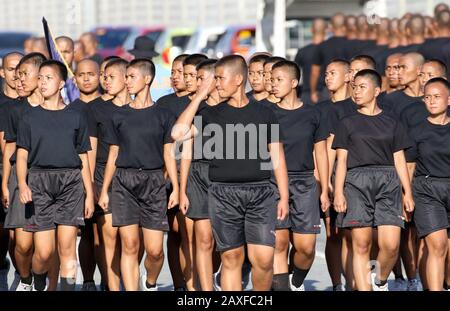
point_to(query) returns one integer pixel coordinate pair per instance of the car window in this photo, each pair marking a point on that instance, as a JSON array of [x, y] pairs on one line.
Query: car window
[[111, 38]]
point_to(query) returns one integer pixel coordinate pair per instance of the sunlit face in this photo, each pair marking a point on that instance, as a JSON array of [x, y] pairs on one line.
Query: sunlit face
[[28, 75], [225, 82], [203, 76], [66, 49], [18, 86], [8, 71], [391, 71], [136, 81], [364, 91], [87, 77], [49, 82], [282, 82], [267, 77], [355, 67], [190, 78], [429, 71], [408, 71], [437, 98], [256, 76], [177, 76], [114, 80], [335, 76]]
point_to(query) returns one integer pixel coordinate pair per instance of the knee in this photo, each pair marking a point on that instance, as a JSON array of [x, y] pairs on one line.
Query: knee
[[390, 249], [438, 249], [155, 255], [205, 243], [281, 245], [24, 249], [307, 251], [233, 258], [43, 254], [130, 246], [264, 263], [361, 247]]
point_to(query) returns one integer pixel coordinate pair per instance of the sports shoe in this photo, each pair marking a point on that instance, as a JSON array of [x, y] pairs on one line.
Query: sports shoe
[[377, 288], [15, 282], [338, 288], [216, 281], [4, 276], [399, 285], [44, 290], [89, 287], [23, 287], [413, 285], [144, 287], [294, 288]]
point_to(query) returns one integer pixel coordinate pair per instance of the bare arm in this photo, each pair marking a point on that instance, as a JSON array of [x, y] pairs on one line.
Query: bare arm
[[87, 182], [184, 173], [92, 156], [340, 203], [320, 151], [171, 167], [280, 171], [411, 169], [109, 174], [331, 160], [22, 170], [402, 171], [10, 147], [314, 80]]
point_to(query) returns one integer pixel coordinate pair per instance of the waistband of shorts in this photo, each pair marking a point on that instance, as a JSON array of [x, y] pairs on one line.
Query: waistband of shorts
[[428, 177], [52, 170], [301, 174], [140, 170], [242, 184], [373, 168]]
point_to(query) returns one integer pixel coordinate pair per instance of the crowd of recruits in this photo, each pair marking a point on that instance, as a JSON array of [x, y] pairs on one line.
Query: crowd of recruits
[[113, 144]]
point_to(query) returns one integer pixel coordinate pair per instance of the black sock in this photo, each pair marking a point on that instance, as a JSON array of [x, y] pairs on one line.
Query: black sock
[[446, 287], [27, 280], [380, 283], [88, 281], [280, 282], [40, 281], [67, 284], [299, 276], [148, 285], [4, 265]]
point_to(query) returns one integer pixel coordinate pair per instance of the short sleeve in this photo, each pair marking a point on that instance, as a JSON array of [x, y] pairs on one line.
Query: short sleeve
[[168, 122], [91, 120], [274, 134], [110, 134], [11, 123], [24, 134], [341, 138], [401, 139], [332, 119], [317, 56], [322, 131], [82, 142], [3, 112]]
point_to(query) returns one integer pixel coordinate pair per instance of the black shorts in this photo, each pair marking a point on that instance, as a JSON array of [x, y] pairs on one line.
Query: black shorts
[[99, 174], [139, 198], [330, 212], [174, 210], [17, 212], [197, 190], [2, 210], [432, 205], [58, 199], [374, 198], [304, 204], [242, 213]]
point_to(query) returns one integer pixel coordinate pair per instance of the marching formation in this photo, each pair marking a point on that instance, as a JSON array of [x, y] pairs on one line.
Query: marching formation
[[238, 165]]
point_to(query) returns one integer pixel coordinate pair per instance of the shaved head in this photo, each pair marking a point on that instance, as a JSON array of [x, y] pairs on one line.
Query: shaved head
[[443, 19], [87, 63], [416, 58], [416, 25], [319, 26], [439, 8], [383, 27], [65, 39], [350, 23], [235, 63], [338, 21]]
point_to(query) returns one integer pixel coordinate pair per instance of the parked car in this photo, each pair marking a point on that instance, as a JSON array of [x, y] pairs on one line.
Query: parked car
[[12, 41], [118, 39], [204, 40], [236, 40]]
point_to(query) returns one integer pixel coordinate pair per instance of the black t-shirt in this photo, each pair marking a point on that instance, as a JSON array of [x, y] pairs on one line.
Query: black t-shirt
[[415, 114], [174, 103], [4, 107], [102, 112], [237, 156], [201, 140], [304, 59], [446, 51], [431, 149], [97, 58], [141, 135], [371, 140], [328, 50], [301, 128], [53, 139], [398, 101], [433, 48], [86, 109], [335, 112]]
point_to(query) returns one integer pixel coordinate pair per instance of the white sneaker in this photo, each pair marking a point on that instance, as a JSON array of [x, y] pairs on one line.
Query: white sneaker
[[216, 282], [377, 288], [22, 287], [15, 282], [144, 287], [413, 285], [294, 288], [399, 285], [4, 277]]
